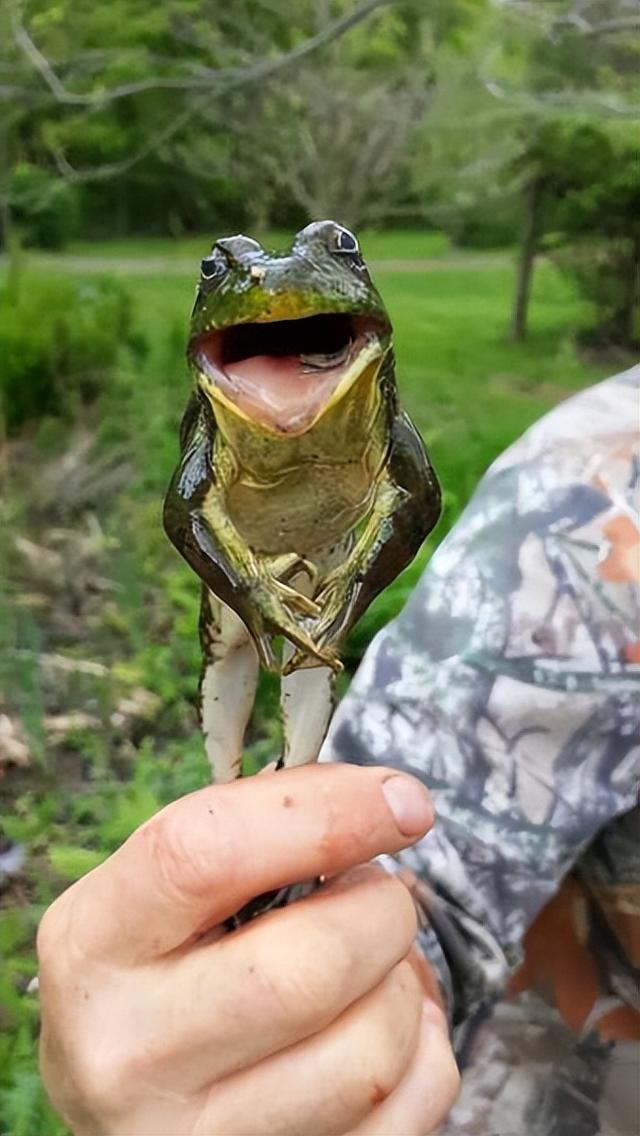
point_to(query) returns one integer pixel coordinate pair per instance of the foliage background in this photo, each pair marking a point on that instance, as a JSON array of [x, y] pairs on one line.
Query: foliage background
[[487, 152]]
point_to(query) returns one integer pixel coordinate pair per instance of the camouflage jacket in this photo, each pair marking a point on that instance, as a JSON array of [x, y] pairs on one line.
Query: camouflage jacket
[[510, 684]]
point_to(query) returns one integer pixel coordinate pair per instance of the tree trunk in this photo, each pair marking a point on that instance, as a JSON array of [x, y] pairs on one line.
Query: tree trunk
[[5, 205], [631, 295], [6, 227], [529, 245]]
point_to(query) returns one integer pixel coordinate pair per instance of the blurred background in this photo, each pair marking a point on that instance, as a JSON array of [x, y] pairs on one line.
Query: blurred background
[[487, 155]]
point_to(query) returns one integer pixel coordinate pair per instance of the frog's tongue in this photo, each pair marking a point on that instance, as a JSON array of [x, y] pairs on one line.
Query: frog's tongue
[[279, 391]]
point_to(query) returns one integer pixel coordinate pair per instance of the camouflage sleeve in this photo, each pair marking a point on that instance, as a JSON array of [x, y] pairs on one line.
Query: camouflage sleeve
[[510, 685]]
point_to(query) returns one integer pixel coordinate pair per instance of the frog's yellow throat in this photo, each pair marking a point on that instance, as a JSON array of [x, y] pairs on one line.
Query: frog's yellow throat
[[283, 377]]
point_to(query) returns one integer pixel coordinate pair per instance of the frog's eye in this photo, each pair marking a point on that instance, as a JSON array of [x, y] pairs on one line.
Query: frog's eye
[[209, 266], [345, 241]]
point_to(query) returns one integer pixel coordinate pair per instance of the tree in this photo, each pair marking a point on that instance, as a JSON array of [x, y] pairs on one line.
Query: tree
[[93, 91], [559, 160], [251, 112], [524, 115], [581, 68], [338, 134], [601, 221]]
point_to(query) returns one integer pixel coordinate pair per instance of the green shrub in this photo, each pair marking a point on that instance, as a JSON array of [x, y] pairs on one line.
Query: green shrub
[[45, 208], [59, 342], [488, 219], [606, 274]]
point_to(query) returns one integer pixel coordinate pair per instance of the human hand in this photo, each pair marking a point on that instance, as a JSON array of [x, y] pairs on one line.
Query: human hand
[[310, 1020]]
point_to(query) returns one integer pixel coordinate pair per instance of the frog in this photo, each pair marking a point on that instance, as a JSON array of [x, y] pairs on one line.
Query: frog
[[302, 488]]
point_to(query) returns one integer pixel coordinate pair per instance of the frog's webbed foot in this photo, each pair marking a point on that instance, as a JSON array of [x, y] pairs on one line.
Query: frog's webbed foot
[[321, 655], [266, 654], [268, 614], [335, 600], [279, 607]]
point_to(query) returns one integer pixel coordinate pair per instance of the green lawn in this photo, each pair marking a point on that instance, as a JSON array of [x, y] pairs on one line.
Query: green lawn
[[400, 244], [471, 392]]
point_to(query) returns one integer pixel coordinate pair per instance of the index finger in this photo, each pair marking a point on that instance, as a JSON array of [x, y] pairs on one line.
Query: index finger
[[203, 857]]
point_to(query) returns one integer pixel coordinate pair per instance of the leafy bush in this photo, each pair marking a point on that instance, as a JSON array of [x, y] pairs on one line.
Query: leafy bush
[[59, 341], [45, 208], [607, 275], [485, 219], [582, 183]]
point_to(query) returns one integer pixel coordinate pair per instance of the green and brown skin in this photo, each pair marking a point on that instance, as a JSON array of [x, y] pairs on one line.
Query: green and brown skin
[[262, 497]]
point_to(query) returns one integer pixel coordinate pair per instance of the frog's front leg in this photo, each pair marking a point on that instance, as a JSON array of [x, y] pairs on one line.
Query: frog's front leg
[[405, 507], [197, 522]]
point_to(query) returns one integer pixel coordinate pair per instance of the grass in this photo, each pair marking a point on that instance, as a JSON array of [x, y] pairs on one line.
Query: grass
[[400, 244], [471, 392]]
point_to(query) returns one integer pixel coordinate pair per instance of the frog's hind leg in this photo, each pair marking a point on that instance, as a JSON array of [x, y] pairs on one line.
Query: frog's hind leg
[[307, 699], [227, 685]]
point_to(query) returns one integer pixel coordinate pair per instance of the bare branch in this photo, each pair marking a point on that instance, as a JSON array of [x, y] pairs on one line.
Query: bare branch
[[609, 27], [101, 98], [201, 78], [114, 169], [9, 92], [581, 100], [332, 31], [594, 102], [577, 19], [201, 83]]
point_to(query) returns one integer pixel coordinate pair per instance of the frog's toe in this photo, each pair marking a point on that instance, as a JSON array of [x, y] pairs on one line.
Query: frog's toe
[[331, 619], [320, 656], [333, 598], [295, 663], [266, 653], [296, 600], [290, 564]]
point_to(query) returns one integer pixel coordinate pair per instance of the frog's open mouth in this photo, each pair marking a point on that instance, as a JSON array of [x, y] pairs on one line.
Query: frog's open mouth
[[284, 373]]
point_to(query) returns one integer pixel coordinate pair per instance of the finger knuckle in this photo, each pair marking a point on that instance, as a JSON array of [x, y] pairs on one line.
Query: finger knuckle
[[399, 1013], [450, 1084], [54, 934], [307, 985], [393, 908], [103, 1074], [47, 936], [372, 1077], [378, 1081], [390, 1038], [439, 1089], [114, 1070], [402, 909], [189, 849]]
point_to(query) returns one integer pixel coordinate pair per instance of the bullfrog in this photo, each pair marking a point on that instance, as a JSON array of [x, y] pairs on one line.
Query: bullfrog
[[302, 488]]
